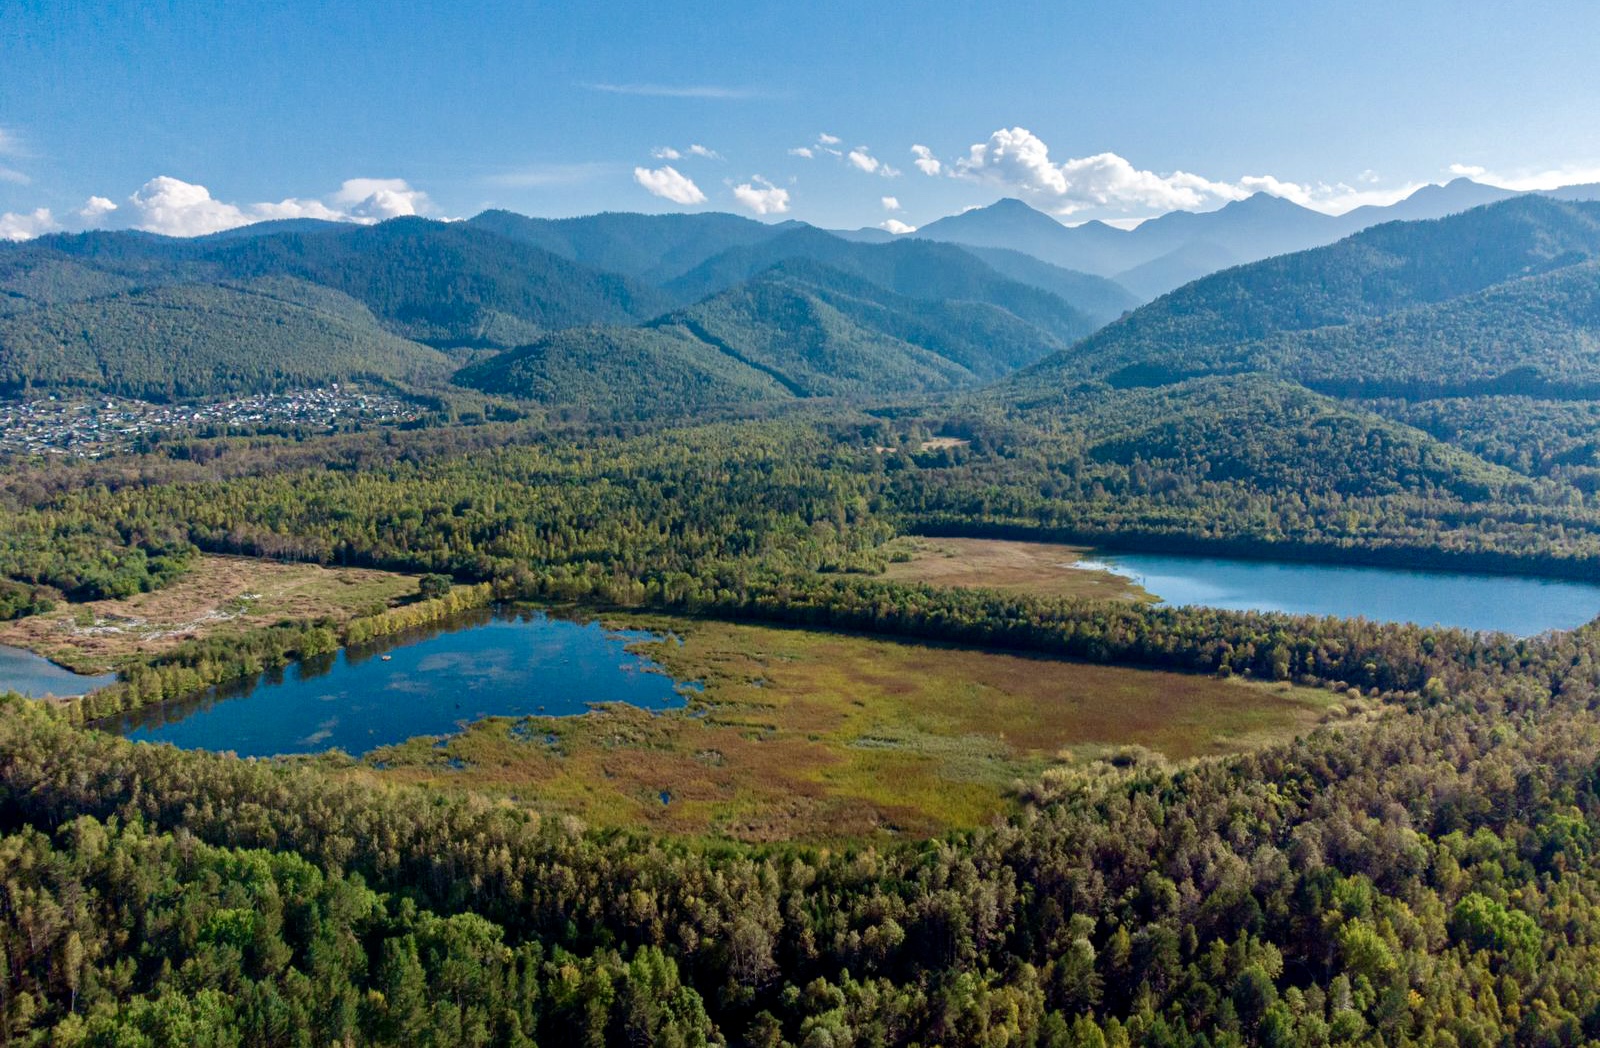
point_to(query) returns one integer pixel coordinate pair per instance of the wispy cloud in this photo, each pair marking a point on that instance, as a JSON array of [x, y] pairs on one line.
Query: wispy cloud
[[11, 144], [710, 91], [535, 175], [1528, 181]]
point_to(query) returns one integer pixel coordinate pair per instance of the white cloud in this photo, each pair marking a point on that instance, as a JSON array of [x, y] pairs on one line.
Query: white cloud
[[891, 203], [95, 208], [15, 226], [1530, 181], [862, 160], [667, 182], [1018, 158], [669, 153], [1106, 182], [926, 162], [802, 151], [828, 140], [1333, 199], [897, 227], [375, 199], [12, 175], [762, 197], [176, 208], [173, 207]]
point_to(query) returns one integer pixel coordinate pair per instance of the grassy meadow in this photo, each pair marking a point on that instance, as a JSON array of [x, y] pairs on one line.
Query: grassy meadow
[[825, 736]]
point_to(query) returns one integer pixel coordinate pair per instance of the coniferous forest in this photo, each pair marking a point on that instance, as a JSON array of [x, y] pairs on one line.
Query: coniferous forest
[[713, 421]]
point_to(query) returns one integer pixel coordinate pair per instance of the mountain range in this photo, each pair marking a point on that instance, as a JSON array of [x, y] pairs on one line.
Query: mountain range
[[1168, 252]]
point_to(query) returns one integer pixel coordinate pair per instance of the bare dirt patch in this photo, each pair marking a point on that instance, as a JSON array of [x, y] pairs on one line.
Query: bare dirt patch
[[218, 595]]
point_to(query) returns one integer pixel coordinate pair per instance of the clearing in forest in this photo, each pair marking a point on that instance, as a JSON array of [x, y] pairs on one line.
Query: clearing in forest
[[217, 595], [822, 736], [1041, 569]]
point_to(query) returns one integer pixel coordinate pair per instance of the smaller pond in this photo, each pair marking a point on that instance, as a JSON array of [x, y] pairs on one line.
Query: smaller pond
[[1513, 604], [27, 673], [485, 664]]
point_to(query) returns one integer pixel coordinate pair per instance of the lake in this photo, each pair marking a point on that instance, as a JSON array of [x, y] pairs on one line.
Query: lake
[[1513, 604], [36, 677], [501, 663]]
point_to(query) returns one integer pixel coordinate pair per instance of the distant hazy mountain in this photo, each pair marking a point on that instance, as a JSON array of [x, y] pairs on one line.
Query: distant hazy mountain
[[1503, 297], [915, 269], [1171, 250], [652, 248]]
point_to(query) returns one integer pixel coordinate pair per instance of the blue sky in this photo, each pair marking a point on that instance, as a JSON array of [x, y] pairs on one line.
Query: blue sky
[[187, 117]]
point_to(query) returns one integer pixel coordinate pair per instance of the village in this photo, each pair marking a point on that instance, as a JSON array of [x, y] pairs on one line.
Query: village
[[98, 426]]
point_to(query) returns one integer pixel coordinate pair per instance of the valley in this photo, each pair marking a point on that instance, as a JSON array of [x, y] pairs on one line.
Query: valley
[[800, 627]]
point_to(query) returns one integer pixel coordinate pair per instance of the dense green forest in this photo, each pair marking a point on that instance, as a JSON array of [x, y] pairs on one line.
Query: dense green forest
[[732, 421], [192, 340]]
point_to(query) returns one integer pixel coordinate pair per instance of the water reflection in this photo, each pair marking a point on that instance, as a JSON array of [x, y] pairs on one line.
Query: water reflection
[[428, 681]]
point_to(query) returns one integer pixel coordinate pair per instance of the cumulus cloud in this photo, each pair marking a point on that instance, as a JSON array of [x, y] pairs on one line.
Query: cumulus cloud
[[666, 153], [26, 226], [891, 203], [96, 208], [701, 151], [173, 207], [926, 162], [897, 227], [828, 140], [762, 196], [1529, 181], [1017, 157], [668, 183], [375, 199], [803, 152], [176, 208]]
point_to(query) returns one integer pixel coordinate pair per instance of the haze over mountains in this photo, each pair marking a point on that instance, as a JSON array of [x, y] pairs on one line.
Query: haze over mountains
[[1167, 252]]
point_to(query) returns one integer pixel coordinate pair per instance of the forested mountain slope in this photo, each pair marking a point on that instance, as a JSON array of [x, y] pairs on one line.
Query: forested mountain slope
[[1207, 325], [187, 340], [915, 269], [442, 283], [799, 329]]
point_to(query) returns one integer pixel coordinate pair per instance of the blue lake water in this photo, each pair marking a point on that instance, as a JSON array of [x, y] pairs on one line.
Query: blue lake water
[[28, 674], [485, 664], [1513, 604]]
